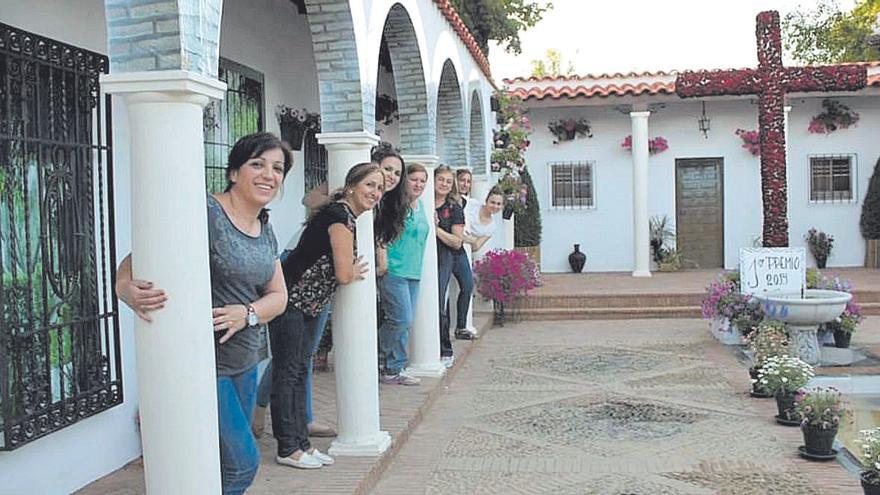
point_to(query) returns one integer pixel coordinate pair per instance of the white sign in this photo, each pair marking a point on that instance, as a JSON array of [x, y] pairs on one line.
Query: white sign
[[782, 270]]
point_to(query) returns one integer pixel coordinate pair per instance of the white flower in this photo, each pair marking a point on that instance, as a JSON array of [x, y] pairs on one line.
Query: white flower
[[784, 380]]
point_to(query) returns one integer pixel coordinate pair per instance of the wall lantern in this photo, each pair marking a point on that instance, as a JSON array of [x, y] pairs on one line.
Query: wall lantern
[[704, 122]]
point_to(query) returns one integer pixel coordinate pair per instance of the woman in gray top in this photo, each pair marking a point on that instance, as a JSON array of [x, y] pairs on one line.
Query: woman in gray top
[[247, 291]]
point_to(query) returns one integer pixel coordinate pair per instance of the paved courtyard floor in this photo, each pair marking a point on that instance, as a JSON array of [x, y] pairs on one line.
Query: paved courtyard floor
[[648, 407]]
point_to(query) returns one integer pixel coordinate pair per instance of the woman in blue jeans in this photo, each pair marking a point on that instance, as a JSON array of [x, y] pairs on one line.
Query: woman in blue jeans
[[399, 287], [247, 291], [451, 258], [324, 258]]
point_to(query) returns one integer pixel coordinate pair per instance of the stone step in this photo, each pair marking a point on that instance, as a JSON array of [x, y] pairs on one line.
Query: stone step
[[625, 313], [575, 301]]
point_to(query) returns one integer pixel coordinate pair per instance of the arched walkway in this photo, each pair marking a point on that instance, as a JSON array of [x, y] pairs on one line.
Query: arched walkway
[[477, 148], [451, 141]]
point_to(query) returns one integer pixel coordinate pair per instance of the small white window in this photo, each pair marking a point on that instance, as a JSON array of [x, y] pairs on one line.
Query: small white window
[[832, 178], [571, 184]]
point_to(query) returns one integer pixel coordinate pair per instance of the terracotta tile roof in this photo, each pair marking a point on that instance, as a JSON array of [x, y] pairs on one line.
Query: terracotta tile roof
[[619, 84], [467, 38]]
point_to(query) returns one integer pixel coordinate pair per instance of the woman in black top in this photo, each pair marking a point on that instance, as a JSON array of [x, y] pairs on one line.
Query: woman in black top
[[450, 238], [324, 258]]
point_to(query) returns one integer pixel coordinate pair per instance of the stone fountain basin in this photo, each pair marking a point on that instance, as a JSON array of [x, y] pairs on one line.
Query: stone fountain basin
[[817, 306]]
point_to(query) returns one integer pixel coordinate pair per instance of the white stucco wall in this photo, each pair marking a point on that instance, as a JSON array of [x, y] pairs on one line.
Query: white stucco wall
[[605, 231]]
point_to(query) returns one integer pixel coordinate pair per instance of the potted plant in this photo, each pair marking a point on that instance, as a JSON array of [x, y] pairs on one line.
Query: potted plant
[[845, 324], [386, 109], [834, 116], [293, 124], [502, 276], [820, 411], [770, 339], [661, 233], [870, 459], [569, 129], [719, 295], [820, 245], [783, 376], [870, 221]]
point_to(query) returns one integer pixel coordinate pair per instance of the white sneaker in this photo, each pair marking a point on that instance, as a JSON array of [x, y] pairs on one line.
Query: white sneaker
[[447, 361], [305, 461], [323, 458]]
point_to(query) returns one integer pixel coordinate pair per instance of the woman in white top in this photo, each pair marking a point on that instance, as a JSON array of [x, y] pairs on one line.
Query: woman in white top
[[480, 221]]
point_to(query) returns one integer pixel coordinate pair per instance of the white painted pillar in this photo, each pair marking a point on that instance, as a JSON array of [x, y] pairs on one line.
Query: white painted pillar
[[509, 226], [424, 349], [177, 384], [641, 234], [786, 128], [354, 319]]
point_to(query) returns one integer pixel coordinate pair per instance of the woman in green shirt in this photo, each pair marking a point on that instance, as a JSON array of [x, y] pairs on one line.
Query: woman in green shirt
[[399, 287]]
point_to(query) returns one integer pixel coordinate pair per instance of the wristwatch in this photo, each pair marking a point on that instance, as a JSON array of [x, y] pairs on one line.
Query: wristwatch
[[251, 318]]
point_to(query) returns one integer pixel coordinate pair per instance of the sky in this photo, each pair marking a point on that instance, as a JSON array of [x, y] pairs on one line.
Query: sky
[[644, 35]]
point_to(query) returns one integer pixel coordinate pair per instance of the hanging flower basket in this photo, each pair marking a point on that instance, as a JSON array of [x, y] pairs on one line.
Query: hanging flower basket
[[834, 116], [656, 145], [294, 123], [569, 129]]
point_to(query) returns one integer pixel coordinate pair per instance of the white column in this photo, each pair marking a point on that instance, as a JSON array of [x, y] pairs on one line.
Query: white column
[[509, 228], [641, 237], [177, 385], [424, 345], [354, 319], [786, 126]]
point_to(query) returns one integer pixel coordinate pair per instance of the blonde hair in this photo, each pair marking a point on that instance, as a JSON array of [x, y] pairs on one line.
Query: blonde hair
[[453, 194]]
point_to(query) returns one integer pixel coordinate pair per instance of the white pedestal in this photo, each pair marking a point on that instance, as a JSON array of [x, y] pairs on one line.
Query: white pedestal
[[177, 385], [804, 342]]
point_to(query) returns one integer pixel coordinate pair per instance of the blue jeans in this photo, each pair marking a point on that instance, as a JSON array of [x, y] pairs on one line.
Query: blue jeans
[[292, 336], [399, 296], [265, 387], [239, 454], [444, 271], [461, 270]]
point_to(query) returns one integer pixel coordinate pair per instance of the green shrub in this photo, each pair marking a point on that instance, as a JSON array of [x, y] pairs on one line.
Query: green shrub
[[527, 227], [870, 223]]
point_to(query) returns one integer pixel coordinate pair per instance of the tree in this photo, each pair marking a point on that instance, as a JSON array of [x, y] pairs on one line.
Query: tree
[[499, 20], [551, 65], [870, 223], [527, 226], [825, 35]]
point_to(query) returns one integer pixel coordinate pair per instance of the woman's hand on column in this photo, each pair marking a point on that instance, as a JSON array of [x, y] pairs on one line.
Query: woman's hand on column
[[231, 319], [141, 297], [361, 268]]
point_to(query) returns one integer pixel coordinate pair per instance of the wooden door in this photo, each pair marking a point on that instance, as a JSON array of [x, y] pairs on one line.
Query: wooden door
[[699, 211]]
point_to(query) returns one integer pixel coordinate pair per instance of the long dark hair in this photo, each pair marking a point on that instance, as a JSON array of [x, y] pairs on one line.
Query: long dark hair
[[252, 146], [393, 208]]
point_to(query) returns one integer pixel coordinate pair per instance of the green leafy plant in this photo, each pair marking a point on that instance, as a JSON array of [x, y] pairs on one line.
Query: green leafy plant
[[820, 245], [661, 233], [527, 228], [870, 221], [783, 375]]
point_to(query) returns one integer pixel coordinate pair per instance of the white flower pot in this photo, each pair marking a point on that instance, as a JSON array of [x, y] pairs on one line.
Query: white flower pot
[[725, 332]]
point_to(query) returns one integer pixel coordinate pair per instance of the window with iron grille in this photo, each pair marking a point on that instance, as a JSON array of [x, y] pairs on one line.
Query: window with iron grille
[[59, 330], [315, 160], [571, 184], [225, 122], [832, 178]]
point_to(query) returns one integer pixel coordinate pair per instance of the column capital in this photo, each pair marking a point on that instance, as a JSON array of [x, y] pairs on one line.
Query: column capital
[[644, 114], [163, 81], [429, 161], [348, 140]]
